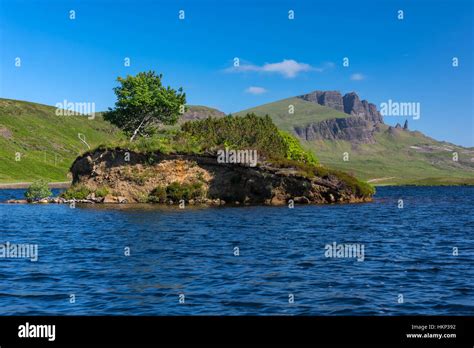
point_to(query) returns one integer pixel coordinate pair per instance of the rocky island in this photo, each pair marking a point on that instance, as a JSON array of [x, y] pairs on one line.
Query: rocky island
[[130, 177]]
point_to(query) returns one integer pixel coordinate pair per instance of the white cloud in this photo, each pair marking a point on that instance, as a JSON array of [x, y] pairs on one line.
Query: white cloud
[[289, 68], [357, 77], [255, 90]]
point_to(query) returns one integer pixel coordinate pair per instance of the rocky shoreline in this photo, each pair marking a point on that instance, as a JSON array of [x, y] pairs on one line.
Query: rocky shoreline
[[109, 200]]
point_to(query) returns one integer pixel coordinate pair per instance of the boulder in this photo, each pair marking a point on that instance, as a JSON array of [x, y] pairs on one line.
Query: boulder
[[301, 200], [17, 201], [109, 199], [121, 199]]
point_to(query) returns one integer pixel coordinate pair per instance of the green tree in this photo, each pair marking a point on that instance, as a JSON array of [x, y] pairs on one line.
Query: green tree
[[143, 104], [38, 190]]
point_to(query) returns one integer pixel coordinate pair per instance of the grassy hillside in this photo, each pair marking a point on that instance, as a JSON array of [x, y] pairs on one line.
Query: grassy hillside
[[47, 143], [305, 113], [400, 157]]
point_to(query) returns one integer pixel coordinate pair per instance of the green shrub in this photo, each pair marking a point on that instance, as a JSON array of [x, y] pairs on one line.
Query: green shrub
[[294, 151], [157, 195], [176, 191], [76, 192], [247, 132], [236, 132], [186, 143], [37, 191], [102, 191], [157, 143]]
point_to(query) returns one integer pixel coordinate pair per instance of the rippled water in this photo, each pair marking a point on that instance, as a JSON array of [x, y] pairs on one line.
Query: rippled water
[[408, 252]]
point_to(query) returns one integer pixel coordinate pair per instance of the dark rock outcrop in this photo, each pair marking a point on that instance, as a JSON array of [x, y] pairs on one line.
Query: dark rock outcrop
[[354, 129], [350, 104], [354, 106], [359, 128], [405, 126], [331, 99], [135, 179]]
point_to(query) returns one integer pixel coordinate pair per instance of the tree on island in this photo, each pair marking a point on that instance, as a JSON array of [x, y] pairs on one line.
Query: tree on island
[[143, 104]]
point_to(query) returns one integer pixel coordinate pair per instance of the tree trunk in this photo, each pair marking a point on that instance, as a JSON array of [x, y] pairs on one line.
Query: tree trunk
[[136, 130]]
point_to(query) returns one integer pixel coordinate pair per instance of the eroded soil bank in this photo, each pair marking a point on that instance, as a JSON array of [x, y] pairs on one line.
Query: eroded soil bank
[[122, 176]]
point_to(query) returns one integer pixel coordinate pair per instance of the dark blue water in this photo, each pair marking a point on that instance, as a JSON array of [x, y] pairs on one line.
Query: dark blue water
[[408, 252]]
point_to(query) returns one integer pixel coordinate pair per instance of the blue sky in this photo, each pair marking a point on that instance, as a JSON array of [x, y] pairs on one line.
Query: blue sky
[[407, 60]]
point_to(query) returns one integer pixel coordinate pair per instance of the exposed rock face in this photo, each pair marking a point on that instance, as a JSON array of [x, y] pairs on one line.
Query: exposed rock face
[[331, 99], [405, 126], [350, 103], [354, 106], [133, 180], [357, 129]]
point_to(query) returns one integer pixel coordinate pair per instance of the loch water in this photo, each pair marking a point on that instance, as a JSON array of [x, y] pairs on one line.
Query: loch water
[[253, 260]]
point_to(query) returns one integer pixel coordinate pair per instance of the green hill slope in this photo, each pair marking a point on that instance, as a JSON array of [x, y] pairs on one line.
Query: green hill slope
[[401, 158], [36, 143], [304, 113], [397, 156]]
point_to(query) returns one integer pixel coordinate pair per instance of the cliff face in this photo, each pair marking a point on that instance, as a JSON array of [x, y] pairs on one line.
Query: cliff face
[[358, 128], [133, 180], [331, 99], [354, 106], [354, 129]]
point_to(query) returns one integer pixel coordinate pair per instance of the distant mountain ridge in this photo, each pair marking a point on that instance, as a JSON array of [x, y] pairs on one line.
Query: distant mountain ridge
[[349, 134], [199, 112], [364, 118], [350, 104]]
